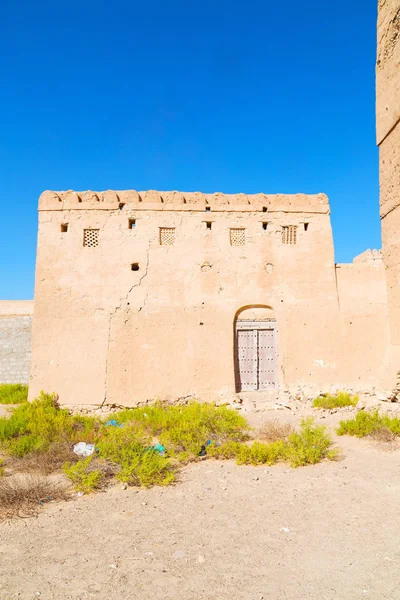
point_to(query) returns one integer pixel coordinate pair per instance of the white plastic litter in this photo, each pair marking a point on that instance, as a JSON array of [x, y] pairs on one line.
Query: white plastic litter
[[84, 449]]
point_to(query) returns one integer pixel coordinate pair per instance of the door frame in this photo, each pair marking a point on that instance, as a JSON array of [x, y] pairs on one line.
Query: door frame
[[250, 325]]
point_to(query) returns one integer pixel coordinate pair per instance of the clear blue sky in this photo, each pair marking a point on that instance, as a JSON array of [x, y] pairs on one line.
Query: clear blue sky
[[215, 95]]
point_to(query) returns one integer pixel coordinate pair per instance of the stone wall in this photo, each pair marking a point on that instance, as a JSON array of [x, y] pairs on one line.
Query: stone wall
[[15, 341]]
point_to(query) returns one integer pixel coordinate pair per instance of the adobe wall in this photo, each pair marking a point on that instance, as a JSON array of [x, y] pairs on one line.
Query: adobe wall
[[364, 345], [388, 140], [106, 333], [15, 340]]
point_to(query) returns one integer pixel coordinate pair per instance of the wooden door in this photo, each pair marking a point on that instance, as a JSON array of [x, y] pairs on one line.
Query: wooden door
[[266, 359], [247, 359], [256, 358]]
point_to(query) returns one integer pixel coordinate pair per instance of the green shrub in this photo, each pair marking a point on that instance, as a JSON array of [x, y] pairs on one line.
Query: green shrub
[[40, 436], [13, 393], [309, 445], [184, 429], [369, 423], [33, 426], [82, 474], [339, 400], [129, 447]]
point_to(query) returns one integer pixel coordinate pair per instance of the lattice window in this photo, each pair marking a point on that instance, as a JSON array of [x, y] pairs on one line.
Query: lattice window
[[91, 237], [289, 234], [238, 237], [167, 236]]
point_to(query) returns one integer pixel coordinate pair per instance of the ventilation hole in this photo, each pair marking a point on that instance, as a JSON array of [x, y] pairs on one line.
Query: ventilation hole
[[64, 227], [289, 234], [208, 208], [121, 205], [135, 266], [265, 209], [306, 226], [167, 236], [209, 224], [91, 237], [237, 237], [132, 223], [265, 226], [79, 199]]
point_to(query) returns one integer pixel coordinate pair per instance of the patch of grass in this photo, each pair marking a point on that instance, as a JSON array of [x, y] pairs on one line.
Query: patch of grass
[[45, 461], [34, 426], [38, 437], [339, 400], [84, 474], [370, 423], [184, 429], [13, 393], [272, 431], [310, 445], [129, 448], [23, 495]]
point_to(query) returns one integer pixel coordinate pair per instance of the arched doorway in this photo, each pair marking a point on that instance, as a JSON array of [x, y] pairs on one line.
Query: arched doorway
[[256, 354]]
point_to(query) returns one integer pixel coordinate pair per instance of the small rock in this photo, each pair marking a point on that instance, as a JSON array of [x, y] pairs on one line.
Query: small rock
[[201, 559], [124, 486], [179, 554], [144, 503], [285, 529], [113, 566], [256, 478]]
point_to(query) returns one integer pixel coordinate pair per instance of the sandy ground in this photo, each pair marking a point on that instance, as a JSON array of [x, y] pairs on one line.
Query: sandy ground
[[327, 532]]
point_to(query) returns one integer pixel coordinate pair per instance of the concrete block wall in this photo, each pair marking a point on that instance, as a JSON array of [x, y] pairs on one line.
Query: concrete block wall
[[15, 341]]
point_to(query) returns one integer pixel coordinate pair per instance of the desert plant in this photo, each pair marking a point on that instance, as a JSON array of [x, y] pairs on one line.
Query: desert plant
[[339, 400], [367, 423], [130, 448], [272, 431], [23, 495], [34, 426], [184, 429], [45, 461], [311, 444], [13, 393], [84, 474]]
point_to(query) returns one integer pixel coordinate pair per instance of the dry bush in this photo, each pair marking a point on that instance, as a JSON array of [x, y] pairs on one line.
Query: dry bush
[[23, 495], [272, 431], [45, 462], [383, 435]]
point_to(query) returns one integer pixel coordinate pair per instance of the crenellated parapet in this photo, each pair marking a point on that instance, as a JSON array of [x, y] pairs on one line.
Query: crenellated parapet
[[183, 201]]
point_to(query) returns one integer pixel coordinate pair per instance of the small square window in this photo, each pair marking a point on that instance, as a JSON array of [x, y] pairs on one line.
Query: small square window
[[64, 227], [289, 234], [121, 205], [237, 237], [167, 236], [135, 266], [208, 224], [208, 208], [91, 237], [306, 226], [265, 209], [265, 225], [132, 223]]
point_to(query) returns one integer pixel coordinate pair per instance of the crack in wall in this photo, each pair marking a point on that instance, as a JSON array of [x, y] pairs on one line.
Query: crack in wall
[[123, 300]]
